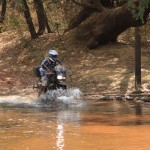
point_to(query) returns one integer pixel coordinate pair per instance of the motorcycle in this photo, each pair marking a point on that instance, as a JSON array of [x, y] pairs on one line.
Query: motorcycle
[[56, 80]]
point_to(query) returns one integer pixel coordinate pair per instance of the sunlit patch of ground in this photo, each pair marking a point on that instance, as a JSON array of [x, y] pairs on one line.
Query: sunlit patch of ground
[[107, 69]]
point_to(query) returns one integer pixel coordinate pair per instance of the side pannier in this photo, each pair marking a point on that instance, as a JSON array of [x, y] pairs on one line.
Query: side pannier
[[36, 71]]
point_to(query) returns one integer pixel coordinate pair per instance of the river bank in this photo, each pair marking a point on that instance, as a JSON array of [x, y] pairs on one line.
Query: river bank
[[108, 69]]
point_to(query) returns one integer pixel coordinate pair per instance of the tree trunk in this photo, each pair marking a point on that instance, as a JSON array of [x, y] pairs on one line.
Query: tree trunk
[[86, 12], [103, 27], [42, 18], [83, 15], [47, 26], [29, 20], [3, 11], [137, 59]]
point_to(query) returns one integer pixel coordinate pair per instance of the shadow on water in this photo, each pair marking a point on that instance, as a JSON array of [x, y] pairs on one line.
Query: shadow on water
[[118, 113]]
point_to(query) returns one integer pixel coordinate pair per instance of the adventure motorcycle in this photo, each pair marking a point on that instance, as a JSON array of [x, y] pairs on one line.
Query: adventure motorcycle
[[56, 80]]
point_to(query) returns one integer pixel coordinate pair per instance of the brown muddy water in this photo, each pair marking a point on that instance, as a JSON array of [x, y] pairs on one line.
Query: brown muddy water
[[72, 123]]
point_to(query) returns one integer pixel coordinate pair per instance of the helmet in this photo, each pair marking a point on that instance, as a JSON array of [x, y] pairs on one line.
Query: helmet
[[52, 52]]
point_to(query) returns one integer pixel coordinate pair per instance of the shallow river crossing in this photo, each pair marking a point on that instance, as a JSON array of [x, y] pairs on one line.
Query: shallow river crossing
[[73, 123]]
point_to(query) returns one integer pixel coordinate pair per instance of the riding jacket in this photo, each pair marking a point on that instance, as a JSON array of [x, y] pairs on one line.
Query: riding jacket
[[48, 64]]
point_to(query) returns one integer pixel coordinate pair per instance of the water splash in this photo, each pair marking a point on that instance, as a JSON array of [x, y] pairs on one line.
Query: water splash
[[17, 100], [69, 96]]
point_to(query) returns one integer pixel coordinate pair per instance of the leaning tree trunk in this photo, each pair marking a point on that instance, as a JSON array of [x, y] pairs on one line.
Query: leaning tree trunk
[[105, 26], [83, 15], [88, 8], [29, 20], [3, 11]]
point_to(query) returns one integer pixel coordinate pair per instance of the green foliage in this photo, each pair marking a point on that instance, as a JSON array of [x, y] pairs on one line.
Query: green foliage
[[138, 11], [137, 8]]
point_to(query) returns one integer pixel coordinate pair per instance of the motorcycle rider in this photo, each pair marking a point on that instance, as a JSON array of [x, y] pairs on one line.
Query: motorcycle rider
[[47, 66]]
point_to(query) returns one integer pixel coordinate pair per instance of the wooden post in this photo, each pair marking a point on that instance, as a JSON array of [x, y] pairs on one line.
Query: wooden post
[[137, 59]]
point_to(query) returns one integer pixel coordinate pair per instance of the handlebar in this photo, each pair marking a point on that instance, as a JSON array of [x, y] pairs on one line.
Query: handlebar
[[49, 73]]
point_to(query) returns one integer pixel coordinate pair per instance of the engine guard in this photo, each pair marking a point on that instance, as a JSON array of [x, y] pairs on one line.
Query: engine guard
[[61, 82]]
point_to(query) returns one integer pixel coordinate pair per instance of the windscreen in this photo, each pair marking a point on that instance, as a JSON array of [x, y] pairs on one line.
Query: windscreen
[[60, 70]]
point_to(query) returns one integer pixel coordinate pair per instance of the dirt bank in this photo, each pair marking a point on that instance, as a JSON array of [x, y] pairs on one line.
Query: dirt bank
[[107, 69]]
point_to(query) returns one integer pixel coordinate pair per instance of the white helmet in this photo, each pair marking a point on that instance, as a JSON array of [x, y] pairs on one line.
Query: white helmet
[[52, 52]]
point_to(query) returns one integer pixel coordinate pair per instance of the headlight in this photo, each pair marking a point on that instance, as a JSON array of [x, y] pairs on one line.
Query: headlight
[[59, 77]]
